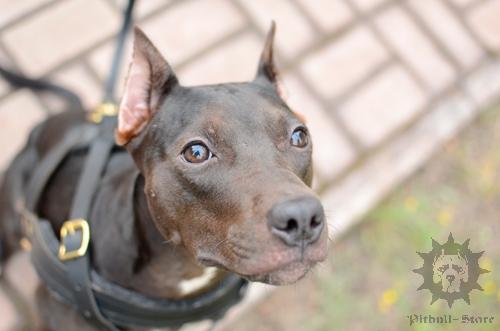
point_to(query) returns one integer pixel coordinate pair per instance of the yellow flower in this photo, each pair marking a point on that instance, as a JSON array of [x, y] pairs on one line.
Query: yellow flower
[[445, 217], [390, 296], [387, 299], [411, 203], [490, 288], [485, 263]]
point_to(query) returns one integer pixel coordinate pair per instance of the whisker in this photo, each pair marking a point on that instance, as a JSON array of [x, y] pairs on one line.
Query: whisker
[[221, 234], [314, 274], [320, 265], [241, 247], [232, 247], [332, 226], [237, 254], [221, 242]]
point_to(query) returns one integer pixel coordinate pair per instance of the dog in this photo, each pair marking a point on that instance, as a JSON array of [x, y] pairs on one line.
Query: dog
[[216, 179], [450, 271]]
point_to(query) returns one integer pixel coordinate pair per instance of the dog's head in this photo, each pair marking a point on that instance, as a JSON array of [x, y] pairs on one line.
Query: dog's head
[[450, 271], [227, 168]]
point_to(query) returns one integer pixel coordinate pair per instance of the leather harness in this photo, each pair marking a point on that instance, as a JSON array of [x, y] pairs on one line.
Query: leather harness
[[65, 267]]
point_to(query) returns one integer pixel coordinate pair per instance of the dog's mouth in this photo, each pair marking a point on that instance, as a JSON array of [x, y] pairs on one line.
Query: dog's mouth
[[281, 275], [267, 261], [212, 263], [285, 275]]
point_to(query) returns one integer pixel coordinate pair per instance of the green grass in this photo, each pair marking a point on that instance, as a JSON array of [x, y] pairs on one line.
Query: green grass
[[459, 192]]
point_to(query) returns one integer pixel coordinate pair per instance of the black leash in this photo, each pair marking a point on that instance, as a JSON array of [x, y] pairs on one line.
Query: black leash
[[110, 86], [42, 85], [73, 99]]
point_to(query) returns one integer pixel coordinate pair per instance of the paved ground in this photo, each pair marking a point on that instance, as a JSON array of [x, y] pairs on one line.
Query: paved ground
[[382, 83]]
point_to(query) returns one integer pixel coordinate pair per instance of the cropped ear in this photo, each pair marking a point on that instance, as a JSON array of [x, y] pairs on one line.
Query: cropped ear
[[149, 80], [267, 69]]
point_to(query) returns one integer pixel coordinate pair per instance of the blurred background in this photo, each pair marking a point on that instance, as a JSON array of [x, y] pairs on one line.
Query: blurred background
[[400, 98]]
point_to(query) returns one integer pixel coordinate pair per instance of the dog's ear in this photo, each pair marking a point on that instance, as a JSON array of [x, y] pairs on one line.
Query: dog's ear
[[149, 80], [465, 273], [267, 69]]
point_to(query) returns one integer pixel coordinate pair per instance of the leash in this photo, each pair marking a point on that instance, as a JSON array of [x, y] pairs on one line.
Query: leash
[[72, 98], [41, 85], [110, 86], [109, 105]]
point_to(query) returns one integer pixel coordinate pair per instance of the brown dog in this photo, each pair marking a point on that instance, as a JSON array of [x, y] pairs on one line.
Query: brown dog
[[215, 176]]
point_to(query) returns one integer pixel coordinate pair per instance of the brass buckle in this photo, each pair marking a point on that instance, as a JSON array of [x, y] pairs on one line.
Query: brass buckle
[[105, 109], [70, 227]]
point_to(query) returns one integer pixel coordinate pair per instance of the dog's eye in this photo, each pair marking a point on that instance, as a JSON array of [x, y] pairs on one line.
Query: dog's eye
[[299, 138], [196, 153]]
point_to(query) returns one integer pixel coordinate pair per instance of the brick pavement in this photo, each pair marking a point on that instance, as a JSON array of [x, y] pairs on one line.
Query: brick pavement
[[382, 83]]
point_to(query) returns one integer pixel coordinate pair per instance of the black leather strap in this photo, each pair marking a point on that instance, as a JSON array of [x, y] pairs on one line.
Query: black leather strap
[[109, 304], [79, 135], [123, 307], [1, 257], [91, 174], [110, 85], [79, 267]]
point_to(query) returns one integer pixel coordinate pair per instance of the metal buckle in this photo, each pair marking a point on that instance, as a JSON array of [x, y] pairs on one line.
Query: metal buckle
[[25, 244], [70, 227], [105, 109]]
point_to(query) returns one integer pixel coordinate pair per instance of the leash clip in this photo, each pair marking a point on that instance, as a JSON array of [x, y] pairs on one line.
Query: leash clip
[[104, 109], [70, 227]]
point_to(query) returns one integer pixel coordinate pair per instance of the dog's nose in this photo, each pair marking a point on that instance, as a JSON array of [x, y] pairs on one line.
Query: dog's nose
[[297, 221], [450, 278]]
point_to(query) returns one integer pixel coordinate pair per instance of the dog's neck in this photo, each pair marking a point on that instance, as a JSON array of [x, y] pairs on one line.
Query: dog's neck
[[164, 269]]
